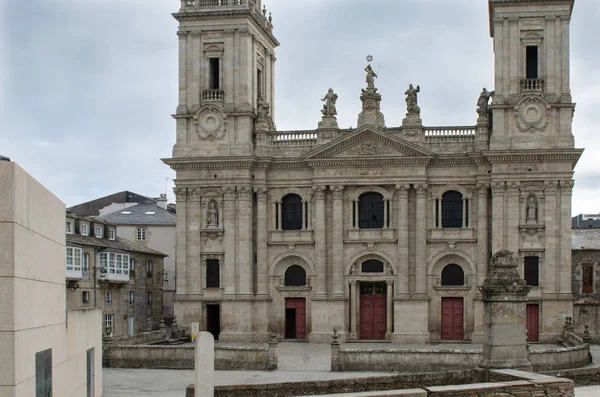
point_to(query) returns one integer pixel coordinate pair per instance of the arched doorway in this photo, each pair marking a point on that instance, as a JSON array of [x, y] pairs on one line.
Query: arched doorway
[[295, 308], [373, 302]]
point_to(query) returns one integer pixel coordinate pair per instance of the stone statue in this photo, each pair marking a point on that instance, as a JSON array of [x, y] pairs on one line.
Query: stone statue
[[329, 107], [263, 109], [213, 214], [411, 99], [531, 210], [353, 269], [370, 77], [264, 120], [482, 102]]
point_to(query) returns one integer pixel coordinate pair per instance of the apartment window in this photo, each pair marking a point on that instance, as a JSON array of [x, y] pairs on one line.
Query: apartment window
[[69, 227], [98, 231], [212, 273], [532, 272], [108, 324], [85, 263], [111, 234], [84, 229], [131, 298], [370, 211], [149, 267], [131, 265], [108, 298], [531, 62], [587, 279], [73, 259], [114, 263], [149, 297], [142, 233], [43, 373], [85, 297], [291, 212], [214, 73]]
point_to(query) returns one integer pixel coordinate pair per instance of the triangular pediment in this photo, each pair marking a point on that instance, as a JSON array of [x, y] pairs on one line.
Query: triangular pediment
[[368, 142]]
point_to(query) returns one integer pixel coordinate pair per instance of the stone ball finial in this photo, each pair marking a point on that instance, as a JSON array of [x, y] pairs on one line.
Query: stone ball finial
[[505, 259]]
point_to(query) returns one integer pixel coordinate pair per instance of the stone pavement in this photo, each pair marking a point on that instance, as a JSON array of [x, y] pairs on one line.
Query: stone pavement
[[297, 362]]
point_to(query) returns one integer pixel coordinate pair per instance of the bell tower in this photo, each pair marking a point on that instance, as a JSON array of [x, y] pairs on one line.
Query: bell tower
[[226, 76], [532, 107]]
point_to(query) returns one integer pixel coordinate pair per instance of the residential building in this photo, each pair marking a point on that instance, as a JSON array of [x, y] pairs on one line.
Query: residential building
[[46, 348], [585, 221], [119, 276], [383, 233], [146, 221], [586, 281]]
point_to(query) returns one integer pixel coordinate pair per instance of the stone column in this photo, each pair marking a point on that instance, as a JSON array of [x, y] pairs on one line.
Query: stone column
[[320, 241], [279, 213], [245, 258], [354, 313], [338, 240], [402, 265], [551, 264], [385, 213], [229, 240], [505, 299], [309, 216], [197, 65], [438, 215], [464, 212], [275, 216], [390, 310], [566, 191], [261, 241], [513, 213], [355, 213], [181, 196], [482, 233], [194, 248], [304, 215], [227, 70], [182, 108], [497, 216], [421, 243]]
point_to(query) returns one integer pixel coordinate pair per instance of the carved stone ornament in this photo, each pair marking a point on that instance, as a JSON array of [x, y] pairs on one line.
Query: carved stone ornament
[[370, 148], [210, 123], [532, 114]]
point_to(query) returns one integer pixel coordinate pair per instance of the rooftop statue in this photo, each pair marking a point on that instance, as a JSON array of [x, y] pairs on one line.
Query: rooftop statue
[[411, 99], [329, 107], [482, 102], [370, 77]]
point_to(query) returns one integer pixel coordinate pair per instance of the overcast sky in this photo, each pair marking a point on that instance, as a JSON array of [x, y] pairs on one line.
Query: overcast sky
[[88, 86]]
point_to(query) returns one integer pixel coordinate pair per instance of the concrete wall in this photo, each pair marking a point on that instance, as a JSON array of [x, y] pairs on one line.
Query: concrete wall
[[32, 293]]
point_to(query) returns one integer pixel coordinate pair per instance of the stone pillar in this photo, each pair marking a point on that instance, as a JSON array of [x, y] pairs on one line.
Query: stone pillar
[[309, 216], [229, 240], [513, 213], [181, 196], [505, 299], [245, 258], [182, 71], [498, 216], [354, 312], [385, 213], [566, 190], [320, 242], [194, 248], [338, 240], [421, 243], [402, 264], [279, 214], [355, 213], [204, 368], [389, 310], [551, 266], [304, 226], [261, 241], [482, 233]]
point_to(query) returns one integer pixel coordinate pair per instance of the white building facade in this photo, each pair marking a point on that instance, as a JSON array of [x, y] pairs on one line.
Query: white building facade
[[381, 233]]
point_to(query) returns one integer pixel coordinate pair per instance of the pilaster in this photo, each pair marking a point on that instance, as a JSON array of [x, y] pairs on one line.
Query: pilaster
[[194, 243], [482, 233], [338, 240], [513, 214], [566, 192], [421, 243], [181, 197], [245, 258], [402, 284], [498, 216], [320, 241], [551, 266], [261, 241], [229, 240]]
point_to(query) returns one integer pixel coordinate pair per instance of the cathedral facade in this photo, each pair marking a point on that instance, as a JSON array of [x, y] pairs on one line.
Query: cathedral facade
[[383, 233]]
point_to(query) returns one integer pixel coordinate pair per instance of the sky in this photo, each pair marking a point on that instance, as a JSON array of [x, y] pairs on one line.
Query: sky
[[87, 88]]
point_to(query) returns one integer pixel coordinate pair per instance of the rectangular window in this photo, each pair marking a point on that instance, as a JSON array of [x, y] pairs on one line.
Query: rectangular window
[[149, 269], [142, 234], [43, 373], [85, 297], [214, 73], [132, 266], [108, 324], [111, 234], [98, 231], [113, 263], [109, 298], [531, 62], [532, 272], [131, 297], [587, 279], [212, 273], [84, 229], [69, 227], [149, 298]]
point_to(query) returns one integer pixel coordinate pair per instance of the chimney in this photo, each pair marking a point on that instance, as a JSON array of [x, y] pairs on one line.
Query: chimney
[[162, 201]]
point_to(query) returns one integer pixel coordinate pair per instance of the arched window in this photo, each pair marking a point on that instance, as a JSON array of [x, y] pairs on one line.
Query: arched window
[[452, 209], [372, 266], [291, 212], [370, 211], [295, 276], [453, 275]]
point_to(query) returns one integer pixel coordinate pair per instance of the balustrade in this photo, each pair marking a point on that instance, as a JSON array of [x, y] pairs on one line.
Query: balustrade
[[293, 139], [212, 95], [532, 85], [449, 132], [191, 4]]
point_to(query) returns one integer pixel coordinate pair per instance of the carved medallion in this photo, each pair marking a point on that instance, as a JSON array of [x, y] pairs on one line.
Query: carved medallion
[[210, 123], [532, 114]]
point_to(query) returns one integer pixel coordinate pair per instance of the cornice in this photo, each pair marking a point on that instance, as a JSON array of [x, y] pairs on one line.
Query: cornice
[[509, 156], [322, 163], [210, 162]]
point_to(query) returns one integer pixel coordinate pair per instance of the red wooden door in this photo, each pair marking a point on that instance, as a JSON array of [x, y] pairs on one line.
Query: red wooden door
[[533, 323], [452, 319], [373, 313], [299, 305]]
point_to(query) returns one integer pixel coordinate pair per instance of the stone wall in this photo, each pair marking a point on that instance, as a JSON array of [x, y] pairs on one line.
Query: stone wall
[[255, 358], [145, 337]]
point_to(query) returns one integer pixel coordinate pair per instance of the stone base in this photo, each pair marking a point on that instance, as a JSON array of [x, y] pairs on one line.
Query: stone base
[[412, 120], [328, 122]]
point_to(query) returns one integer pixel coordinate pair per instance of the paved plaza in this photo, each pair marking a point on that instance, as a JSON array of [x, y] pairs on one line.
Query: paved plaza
[[297, 362]]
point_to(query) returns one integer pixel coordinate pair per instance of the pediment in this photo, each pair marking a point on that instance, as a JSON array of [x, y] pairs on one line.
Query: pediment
[[369, 143]]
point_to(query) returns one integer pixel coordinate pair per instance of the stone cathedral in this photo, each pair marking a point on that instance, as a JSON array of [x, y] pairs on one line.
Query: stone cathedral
[[383, 233]]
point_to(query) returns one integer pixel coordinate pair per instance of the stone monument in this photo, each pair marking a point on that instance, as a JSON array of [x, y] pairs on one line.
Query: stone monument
[[329, 111], [371, 99], [204, 368], [504, 295], [412, 125]]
